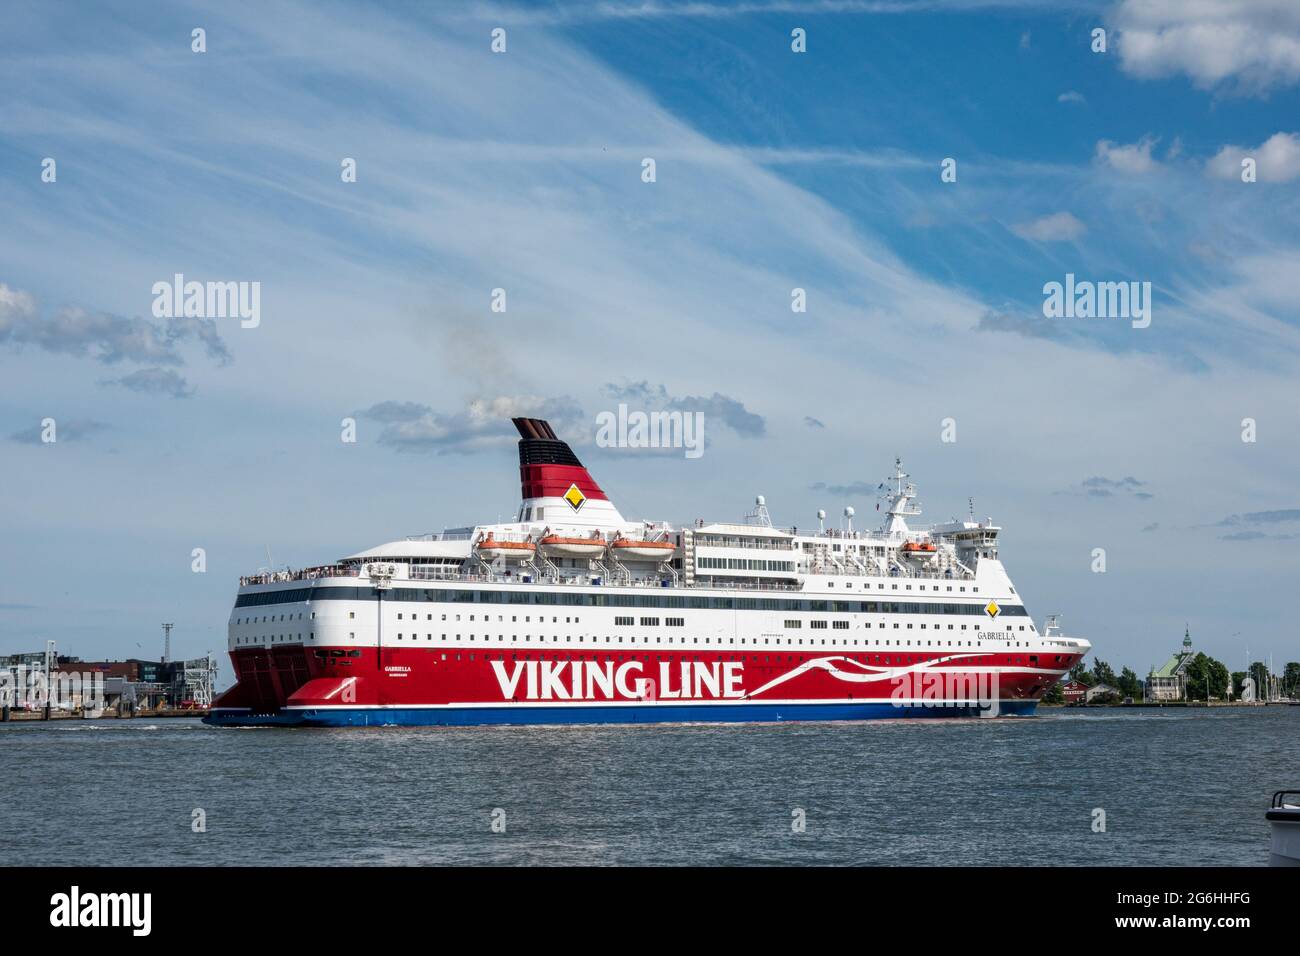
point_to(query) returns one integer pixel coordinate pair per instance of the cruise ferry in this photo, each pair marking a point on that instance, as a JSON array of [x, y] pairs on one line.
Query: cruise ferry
[[572, 613]]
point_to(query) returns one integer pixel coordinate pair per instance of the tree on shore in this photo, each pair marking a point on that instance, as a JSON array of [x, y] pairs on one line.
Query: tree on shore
[[1259, 673], [1104, 674], [1081, 674], [1291, 679], [1128, 683], [1206, 678]]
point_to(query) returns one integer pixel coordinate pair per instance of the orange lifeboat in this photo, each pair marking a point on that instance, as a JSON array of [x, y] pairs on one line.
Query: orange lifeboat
[[652, 550], [919, 548], [490, 547], [572, 547]]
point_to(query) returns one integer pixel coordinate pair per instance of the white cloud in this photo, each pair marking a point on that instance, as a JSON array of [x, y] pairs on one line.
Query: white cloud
[[1277, 159], [483, 422], [15, 305], [1252, 44], [1134, 158], [1071, 96], [110, 338], [154, 381], [1058, 227]]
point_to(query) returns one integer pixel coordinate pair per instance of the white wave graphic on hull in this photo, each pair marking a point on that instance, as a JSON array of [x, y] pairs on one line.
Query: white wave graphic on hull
[[828, 664]]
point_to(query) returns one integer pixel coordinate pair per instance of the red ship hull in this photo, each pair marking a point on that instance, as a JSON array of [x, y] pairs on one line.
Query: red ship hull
[[416, 686]]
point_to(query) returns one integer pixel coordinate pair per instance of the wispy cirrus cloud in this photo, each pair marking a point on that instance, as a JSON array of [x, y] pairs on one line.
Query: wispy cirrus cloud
[[1099, 486], [1056, 227], [853, 489], [1277, 516], [1028, 324], [578, 12]]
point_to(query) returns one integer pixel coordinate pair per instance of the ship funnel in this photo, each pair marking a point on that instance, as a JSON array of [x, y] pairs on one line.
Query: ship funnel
[[554, 485]]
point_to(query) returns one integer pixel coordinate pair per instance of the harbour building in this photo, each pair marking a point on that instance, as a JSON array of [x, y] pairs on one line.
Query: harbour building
[[1169, 681]]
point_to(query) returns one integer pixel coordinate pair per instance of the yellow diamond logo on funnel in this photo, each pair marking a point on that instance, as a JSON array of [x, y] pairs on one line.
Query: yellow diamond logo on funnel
[[574, 497], [992, 609]]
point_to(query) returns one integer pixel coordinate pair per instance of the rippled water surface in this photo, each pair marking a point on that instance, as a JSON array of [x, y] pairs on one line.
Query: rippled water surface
[[1177, 787]]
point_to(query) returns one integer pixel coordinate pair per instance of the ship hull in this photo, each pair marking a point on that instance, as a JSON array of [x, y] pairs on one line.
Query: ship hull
[[471, 716], [292, 686]]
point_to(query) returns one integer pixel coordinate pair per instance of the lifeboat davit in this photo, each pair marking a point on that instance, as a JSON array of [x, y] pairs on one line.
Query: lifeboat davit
[[653, 550], [490, 547], [572, 547]]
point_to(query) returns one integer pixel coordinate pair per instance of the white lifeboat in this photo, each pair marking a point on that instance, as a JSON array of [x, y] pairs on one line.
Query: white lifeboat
[[651, 550], [572, 547], [490, 547]]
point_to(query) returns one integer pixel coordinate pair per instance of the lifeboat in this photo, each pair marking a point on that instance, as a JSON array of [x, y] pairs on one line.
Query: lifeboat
[[572, 547], [919, 549], [490, 547], [652, 550]]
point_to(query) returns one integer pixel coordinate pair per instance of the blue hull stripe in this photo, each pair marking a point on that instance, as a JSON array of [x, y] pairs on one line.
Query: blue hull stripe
[[685, 713]]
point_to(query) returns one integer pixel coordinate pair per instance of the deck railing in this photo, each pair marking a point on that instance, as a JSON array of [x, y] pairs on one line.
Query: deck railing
[[567, 576]]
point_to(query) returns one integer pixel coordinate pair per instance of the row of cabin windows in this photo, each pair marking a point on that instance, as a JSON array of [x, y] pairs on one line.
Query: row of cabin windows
[[744, 564], [618, 639], [272, 618], [407, 595], [908, 587], [541, 619], [618, 621]]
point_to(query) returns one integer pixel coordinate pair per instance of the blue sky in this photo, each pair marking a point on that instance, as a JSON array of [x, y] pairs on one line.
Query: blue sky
[[775, 170]]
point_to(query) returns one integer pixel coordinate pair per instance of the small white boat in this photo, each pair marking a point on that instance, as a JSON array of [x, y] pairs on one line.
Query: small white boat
[[491, 547], [573, 547], [644, 550], [1284, 820]]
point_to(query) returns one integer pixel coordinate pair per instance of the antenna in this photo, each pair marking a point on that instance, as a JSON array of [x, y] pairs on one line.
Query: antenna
[[902, 500], [167, 642], [759, 515], [848, 517], [821, 519]]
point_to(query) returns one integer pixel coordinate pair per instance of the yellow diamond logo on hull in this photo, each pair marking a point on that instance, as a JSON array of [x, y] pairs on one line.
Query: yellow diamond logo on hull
[[574, 497], [992, 609]]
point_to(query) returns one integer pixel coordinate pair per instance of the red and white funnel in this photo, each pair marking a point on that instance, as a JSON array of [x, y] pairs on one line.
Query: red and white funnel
[[556, 488]]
